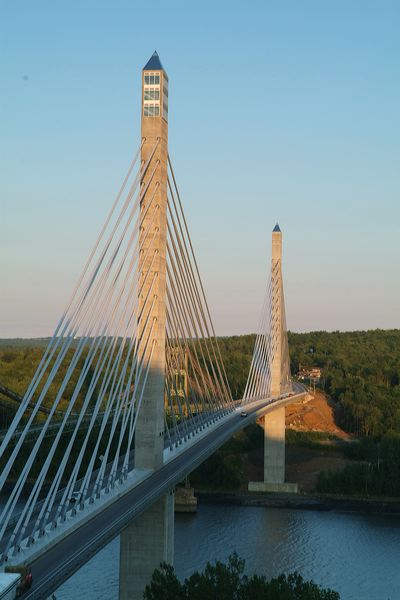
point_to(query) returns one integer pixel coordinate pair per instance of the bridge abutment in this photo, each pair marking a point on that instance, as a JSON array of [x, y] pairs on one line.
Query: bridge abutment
[[145, 543]]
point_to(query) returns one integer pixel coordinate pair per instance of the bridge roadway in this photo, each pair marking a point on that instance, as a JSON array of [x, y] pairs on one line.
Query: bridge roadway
[[65, 557]]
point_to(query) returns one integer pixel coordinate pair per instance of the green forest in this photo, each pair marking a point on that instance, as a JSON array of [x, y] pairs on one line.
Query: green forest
[[360, 372]]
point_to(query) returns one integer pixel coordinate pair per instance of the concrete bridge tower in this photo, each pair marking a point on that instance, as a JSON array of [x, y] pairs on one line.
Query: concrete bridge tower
[[274, 421], [148, 541]]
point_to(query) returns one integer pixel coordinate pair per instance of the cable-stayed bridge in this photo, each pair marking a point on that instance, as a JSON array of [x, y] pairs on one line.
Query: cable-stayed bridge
[[131, 393]]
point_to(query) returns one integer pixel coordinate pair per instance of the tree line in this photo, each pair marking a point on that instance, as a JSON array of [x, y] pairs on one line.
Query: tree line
[[360, 371]]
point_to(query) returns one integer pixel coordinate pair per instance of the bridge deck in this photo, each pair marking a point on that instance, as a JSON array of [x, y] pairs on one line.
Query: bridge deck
[[62, 553]]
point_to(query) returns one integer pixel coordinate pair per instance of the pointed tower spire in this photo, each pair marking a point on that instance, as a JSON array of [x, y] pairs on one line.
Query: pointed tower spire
[[154, 63], [277, 228]]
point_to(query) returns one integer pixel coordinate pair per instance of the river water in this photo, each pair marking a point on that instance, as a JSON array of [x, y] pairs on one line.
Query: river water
[[356, 554]]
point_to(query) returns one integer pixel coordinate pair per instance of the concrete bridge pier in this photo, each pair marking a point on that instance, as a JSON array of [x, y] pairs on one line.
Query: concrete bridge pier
[[274, 456], [145, 543]]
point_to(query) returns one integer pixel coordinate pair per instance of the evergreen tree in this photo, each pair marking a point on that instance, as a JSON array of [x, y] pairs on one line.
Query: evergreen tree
[[221, 581]]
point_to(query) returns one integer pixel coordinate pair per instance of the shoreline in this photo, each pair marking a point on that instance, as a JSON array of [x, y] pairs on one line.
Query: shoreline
[[302, 502]]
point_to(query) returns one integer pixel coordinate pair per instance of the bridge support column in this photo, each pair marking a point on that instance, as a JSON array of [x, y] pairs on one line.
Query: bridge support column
[[274, 456], [145, 543]]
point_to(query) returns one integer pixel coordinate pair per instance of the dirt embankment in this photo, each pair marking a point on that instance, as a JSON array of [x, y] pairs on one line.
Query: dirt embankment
[[315, 414]]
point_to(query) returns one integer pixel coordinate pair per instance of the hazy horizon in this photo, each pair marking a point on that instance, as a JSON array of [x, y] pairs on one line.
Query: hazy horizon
[[46, 337]]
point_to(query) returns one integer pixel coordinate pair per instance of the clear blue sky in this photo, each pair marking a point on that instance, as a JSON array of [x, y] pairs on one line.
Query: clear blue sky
[[279, 110]]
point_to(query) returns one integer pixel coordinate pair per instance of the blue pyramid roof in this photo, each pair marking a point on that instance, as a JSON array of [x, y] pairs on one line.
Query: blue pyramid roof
[[276, 228], [153, 64]]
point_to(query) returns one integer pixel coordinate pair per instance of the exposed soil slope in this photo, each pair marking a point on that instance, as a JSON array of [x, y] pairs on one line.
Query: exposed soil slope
[[315, 414]]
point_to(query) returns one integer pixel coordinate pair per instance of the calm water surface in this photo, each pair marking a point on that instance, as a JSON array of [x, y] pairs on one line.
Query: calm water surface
[[358, 555]]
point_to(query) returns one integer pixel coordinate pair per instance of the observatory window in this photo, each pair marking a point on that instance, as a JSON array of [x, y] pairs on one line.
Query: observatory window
[[151, 93], [151, 110], [152, 79], [155, 104]]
